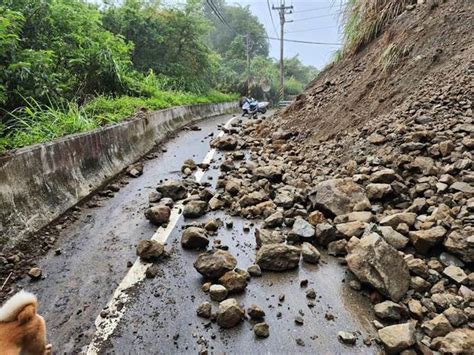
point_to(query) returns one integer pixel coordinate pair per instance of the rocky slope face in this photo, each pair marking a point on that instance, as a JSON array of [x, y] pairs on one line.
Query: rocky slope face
[[430, 41]]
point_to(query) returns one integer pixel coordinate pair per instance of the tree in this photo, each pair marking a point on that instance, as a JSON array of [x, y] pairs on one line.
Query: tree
[[60, 51], [168, 41], [230, 41]]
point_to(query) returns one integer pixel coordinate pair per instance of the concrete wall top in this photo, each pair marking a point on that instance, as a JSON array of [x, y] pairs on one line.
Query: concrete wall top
[[41, 182]]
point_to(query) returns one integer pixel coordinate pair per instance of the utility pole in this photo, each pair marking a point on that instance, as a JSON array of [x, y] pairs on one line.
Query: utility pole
[[247, 37], [282, 10]]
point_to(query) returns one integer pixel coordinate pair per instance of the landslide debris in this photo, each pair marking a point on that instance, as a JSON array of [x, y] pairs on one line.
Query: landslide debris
[[380, 175]]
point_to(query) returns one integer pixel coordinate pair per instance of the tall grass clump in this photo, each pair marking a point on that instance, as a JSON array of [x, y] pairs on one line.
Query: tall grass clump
[[38, 123], [365, 19]]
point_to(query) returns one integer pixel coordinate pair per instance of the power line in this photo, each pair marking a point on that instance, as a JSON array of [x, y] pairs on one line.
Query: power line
[[305, 42], [219, 15], [271, 17], [319, 8], [315, 17], [312, 29]]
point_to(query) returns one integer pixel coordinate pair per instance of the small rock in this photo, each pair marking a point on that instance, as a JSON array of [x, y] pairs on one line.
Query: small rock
[[347, 338], [233, 281], [309, 253], [459, 341], [218, 293], [311, 294], [455, 273], [278, 257], [194, 209], [152, 271], [302, 229], [158, 215], [173, 189], [149, 249], [194, 238], [255, 312], [212, 225], [299, 320], [261, 330], [204, 310], [437, 327], [254, 270], [230, 313], [214, 264], [35, 273], [389, 310]]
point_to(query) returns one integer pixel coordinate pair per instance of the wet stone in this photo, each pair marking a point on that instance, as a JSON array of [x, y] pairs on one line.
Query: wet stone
[[255, 312], [218, 292], [261, 330], [347, 337], [204, 310], [149, 249]]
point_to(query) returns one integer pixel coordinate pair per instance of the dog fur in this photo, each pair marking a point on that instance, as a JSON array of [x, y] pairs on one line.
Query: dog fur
[[22, 330]]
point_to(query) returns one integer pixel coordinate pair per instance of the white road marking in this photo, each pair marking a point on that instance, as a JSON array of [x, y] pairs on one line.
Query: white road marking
[[118, 304]]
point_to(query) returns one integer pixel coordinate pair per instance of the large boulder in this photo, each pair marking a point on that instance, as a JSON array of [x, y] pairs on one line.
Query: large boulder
[[278, 257], [227, 142], [338, 196], [459, 341], [214, 264], [194, 238], [230, 313], [398, 337], [158, 215], [173, 189], [377, 263]]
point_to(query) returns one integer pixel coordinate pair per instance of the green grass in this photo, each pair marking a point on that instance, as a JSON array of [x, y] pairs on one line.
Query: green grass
[[35, 123]]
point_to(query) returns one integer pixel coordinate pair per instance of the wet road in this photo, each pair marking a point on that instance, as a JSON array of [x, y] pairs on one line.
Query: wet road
[[159, 315]]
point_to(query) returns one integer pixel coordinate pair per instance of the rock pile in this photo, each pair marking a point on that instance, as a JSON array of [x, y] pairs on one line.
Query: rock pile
[[395, 198], [399, 209]]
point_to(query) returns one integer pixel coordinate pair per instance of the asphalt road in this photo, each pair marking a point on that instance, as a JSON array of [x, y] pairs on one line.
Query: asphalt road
[[159, 314]]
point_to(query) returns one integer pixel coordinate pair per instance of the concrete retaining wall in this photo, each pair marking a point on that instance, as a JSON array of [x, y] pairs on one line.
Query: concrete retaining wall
[[41, 182]]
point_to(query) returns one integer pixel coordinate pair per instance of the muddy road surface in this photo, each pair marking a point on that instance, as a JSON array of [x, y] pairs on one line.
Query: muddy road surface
[[96, 299]]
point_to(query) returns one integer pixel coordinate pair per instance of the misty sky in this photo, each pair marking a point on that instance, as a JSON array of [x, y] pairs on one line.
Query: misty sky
[[316, 21]]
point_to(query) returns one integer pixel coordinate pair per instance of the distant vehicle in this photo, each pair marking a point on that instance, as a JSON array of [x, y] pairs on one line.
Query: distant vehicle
[[252, 107]]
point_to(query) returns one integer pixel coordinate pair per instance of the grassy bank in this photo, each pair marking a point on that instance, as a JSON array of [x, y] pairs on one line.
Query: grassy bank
[[36, 123]]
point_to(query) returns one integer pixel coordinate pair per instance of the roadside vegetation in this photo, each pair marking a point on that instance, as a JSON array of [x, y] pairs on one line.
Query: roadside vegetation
[[70, 66], [364, 20]]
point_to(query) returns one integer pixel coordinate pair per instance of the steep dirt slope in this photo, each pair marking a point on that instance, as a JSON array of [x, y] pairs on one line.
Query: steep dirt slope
[[422, 48]]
